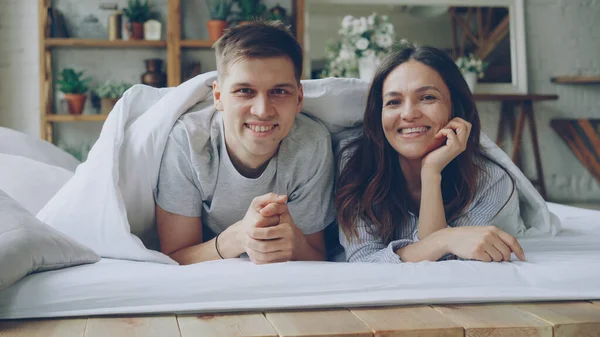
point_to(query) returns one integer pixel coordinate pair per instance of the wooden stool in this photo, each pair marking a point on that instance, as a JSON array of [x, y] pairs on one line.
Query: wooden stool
[[507, 119]]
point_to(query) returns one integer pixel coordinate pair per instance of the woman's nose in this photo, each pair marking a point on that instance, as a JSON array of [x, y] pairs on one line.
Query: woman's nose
[[410, 111]]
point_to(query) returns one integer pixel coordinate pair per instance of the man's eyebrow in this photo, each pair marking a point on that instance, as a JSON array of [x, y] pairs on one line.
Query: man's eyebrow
[[278, 85], [241, 84], [285, 85]]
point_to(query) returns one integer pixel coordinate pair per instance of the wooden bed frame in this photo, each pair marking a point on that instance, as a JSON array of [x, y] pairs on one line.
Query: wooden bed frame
[[551, 319]]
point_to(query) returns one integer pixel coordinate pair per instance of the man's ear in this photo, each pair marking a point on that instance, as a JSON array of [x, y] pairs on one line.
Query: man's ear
[[300, 99], [217, 96]]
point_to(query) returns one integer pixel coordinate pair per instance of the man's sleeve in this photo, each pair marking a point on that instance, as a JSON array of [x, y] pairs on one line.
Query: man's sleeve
[[177, 191], [311, 203]]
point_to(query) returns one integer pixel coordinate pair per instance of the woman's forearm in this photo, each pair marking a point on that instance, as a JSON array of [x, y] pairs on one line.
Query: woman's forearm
[[431, 248], [432, 216]]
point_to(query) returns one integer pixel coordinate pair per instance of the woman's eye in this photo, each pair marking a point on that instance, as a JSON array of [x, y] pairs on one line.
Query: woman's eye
[[429, 97], [244, 91], [392, 102]]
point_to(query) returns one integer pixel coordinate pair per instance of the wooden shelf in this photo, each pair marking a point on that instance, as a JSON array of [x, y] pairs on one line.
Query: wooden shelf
[[576, 79], [52, 42], [75, 118], [196, 43]]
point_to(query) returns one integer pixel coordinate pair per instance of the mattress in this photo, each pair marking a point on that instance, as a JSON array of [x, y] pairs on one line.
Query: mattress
[[565, 267]]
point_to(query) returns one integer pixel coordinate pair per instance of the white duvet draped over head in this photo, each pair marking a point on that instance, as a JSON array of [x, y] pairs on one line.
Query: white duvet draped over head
[[110, 198]]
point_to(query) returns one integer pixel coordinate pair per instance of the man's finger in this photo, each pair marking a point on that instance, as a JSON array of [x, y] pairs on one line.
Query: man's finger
[[267, 233], [263, 200], [273, 209], [267, 246], [513, 244], [266, 221], [271, 257]]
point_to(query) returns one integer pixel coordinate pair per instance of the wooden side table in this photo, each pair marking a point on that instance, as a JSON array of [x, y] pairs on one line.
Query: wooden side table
[[507, 119]]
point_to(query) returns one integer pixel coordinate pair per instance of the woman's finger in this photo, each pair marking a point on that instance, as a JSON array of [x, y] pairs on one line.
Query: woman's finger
[[502, 248], [452, 139], [463, 129], [494, 253], [513, 244], [482, 256]]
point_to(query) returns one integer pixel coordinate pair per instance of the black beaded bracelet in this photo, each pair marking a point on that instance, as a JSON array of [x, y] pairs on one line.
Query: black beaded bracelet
[[217, 246]]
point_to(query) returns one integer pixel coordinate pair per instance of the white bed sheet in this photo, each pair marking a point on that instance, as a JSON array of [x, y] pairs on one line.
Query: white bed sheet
[[566, 267]]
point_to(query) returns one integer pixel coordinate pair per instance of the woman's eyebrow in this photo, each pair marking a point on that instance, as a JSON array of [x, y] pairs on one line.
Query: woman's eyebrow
[[428, 87], [392, 93]]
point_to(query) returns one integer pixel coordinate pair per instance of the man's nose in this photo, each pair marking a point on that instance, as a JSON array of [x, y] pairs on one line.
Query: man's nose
[[262, 107]]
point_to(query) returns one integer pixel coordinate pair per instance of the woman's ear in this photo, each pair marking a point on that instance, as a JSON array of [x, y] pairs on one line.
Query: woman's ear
[[217, 96]]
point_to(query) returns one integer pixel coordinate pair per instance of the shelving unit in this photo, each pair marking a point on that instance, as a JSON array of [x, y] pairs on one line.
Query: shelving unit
[[83, 43], [576, 79], [173, 45]]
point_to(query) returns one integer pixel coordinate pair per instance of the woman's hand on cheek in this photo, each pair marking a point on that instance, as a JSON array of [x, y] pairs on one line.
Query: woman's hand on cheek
[[457, 133]]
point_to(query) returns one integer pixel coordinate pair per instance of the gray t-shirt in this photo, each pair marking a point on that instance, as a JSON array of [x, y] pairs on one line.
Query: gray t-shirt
[[197, 177]]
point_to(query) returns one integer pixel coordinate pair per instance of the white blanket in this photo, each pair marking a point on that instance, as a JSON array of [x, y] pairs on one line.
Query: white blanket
[[110, 198], [564, 267]]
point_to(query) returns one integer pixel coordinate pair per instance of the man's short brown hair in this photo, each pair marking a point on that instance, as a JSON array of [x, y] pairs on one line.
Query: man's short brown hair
[[257, 40]]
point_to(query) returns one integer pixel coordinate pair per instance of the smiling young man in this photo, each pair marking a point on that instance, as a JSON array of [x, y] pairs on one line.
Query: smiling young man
[[254, 171]]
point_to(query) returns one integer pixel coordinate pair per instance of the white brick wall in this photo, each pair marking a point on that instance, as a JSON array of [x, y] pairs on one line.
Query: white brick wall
[[563, 38], [19, 66]]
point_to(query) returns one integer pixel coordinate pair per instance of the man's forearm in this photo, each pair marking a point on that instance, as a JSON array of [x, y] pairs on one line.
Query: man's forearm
[[228, 246], [306, 252]]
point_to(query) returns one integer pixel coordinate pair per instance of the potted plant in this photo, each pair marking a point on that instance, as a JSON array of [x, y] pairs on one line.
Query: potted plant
[[472, 68], [110, 93], [219, 13], [250, 10], [74, 88], [138, 13]]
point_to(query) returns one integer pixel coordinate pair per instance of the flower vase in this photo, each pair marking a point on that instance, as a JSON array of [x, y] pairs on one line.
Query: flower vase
[[154, 76], [367, 66], [471, 79]]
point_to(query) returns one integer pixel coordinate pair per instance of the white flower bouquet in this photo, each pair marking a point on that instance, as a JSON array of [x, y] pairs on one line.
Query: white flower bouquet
[[365, 37], [471, 64]]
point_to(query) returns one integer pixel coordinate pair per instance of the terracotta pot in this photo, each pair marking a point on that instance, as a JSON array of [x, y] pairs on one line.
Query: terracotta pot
[[75, 103], [135, 30], [107, 104], [216, 28]]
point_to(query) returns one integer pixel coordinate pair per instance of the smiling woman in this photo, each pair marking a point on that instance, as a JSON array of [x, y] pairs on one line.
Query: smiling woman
[[417, 185]]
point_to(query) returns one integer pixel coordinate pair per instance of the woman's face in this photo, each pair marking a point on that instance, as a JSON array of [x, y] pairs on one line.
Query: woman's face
[[416, 105]]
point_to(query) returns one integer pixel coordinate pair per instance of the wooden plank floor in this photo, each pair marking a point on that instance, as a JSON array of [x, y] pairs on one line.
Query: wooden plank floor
[[553, 319]]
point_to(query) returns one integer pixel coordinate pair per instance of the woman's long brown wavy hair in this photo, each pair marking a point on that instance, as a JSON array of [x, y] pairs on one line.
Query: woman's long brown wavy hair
[[371, 185]]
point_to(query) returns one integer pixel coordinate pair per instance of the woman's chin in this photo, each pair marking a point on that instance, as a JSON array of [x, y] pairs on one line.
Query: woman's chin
[[414, 152]]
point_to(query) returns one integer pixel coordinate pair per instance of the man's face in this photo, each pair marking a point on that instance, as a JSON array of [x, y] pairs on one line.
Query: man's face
[[259, 99]]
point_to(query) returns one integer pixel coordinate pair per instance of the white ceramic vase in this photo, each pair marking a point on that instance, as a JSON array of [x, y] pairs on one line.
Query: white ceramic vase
[[471, 79], [367, 66]]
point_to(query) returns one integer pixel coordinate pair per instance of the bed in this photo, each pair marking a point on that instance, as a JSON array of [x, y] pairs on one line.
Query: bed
[[553, 293]]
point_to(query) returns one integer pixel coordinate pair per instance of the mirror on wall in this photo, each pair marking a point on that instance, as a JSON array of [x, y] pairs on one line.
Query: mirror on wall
[[491, 30]]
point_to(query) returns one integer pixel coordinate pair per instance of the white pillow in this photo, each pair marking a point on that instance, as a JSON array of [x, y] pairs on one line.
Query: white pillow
[[28, 245], [17, 143], [29, 182]]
